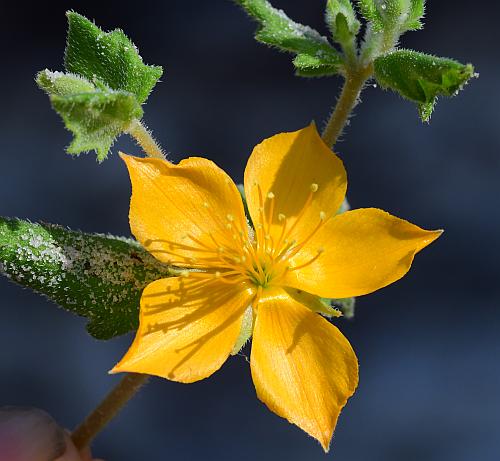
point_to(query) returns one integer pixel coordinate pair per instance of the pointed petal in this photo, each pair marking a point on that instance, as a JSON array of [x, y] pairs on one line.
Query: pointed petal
[[362, 251], [303, 368], [187, 328], [290, 166], [173, 204]]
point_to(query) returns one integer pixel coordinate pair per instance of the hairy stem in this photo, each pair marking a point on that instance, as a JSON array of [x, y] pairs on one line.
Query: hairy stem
[[107, 409], [349, 98], [144, 138]]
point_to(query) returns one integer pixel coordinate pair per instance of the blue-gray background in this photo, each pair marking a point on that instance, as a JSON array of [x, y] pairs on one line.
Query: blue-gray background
[[428, 346]]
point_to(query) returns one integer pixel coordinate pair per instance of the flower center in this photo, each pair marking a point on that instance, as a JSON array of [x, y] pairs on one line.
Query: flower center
[[274, 243], [260, 256]]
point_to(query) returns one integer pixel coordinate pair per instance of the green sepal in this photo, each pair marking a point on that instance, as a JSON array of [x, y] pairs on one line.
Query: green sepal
[[246, 331], [276, 29], [100, 277], [346, 306], [421, 78], [241, 190], [345, 206], [342, 21], [316, 304], [425, 110], [109, 57]]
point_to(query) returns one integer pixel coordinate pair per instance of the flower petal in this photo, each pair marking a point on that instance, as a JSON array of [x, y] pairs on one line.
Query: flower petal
[[290, 166], [303, 368], [187, 328], [177, 211], [362, 251]]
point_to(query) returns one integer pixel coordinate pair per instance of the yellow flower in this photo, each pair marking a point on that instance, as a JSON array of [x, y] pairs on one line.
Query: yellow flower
[[191, 215]]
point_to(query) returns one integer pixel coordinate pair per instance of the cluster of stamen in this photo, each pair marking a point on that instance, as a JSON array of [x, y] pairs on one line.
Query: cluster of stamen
[[256, 256]]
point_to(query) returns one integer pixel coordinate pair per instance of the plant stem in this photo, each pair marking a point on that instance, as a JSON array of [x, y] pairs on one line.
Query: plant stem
[[144, 138], [107, 409], [349, 98]]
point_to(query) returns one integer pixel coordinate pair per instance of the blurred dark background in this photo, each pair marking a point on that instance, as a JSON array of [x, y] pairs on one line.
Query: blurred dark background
[[428, 346]]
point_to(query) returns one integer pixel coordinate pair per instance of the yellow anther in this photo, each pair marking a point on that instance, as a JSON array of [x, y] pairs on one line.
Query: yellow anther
[[237, 260], [314, 187], [270, 195], [220, 249], [205, 204], [322, 215], [217, 275], [229, 226], [230, 217], [185, 274], [281, 217], [243, 259], [267, 237]]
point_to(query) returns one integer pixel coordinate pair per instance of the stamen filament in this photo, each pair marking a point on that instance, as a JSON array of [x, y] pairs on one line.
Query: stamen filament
[[281, 217], [261, 225], [318, 254], [270, 213], [297, 248], [301, 213], [232, 281]]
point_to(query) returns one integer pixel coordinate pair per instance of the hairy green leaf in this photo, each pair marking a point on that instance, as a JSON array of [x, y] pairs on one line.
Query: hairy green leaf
[[425, 110], [106, 83], [95, 114], [61, 84], [397, 16], [96, 118], [276, 29], [95, 276], [415, 15], [342, 21], [369, 11], [421, 78], [109, 57], [312, 66]]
